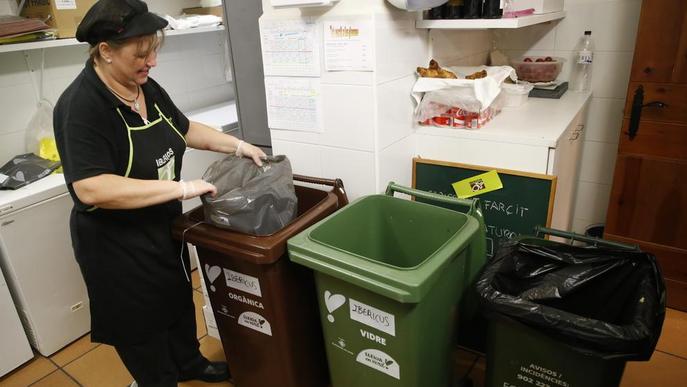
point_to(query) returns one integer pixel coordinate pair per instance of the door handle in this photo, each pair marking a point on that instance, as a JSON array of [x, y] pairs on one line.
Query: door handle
[[636, 112]]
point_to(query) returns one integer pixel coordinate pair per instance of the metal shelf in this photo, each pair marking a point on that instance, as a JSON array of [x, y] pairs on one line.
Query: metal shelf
[[480, 24], [74, 42]]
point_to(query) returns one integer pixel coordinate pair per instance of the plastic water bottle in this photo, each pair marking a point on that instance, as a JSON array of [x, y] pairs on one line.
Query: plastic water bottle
[[584, 56]]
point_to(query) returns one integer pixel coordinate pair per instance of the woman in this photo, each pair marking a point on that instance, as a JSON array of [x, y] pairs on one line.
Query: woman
[[121, 140]]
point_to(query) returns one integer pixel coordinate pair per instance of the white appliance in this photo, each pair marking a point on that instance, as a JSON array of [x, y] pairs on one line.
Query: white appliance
[[38, 262], [15, 346]]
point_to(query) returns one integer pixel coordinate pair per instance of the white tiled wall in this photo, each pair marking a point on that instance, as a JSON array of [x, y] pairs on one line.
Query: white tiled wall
[[368, 136], [614, 28], [190, 68]]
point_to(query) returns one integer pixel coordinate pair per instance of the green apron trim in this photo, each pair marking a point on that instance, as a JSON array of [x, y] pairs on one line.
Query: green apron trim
[[171, 124], [129, 129], [131, 143]]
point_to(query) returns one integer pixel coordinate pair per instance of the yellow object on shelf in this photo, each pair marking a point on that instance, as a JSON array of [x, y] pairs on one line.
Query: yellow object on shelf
[[47, 149]]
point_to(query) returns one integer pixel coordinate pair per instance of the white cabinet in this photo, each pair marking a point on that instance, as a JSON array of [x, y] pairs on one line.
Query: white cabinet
[[543, 136], [42, 274], [15, 348]]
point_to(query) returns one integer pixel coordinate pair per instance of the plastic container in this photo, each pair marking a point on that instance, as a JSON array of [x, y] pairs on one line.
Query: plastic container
[[389, 282], [264, 305], [515, 94], [542, 71]]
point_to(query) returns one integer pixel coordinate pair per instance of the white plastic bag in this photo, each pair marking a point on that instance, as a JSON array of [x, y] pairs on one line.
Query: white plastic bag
[[40, 137], [434, 95]]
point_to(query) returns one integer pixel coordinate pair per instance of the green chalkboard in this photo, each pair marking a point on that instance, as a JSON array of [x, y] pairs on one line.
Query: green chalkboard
[[525, 201]]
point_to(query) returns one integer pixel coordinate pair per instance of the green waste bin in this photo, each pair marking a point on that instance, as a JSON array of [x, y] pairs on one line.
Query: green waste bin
[[388, 275]]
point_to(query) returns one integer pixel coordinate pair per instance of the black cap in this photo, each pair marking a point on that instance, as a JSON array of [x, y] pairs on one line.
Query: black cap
[[588, 32], [117, 20]]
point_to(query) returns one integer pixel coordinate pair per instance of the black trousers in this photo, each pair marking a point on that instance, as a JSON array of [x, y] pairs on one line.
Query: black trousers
[[158, 361]]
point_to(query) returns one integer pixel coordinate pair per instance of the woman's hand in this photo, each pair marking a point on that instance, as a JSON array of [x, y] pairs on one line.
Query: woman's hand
[[244, 149], [200, 136], [195, 188]]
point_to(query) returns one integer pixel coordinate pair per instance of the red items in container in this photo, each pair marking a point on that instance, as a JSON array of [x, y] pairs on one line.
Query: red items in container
[[458, 118], [538, 68]]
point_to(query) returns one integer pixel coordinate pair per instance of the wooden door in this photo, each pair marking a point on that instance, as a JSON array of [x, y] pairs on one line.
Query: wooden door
[[649, 197]]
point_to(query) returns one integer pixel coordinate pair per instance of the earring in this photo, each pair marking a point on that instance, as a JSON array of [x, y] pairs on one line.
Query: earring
[[108, 60]]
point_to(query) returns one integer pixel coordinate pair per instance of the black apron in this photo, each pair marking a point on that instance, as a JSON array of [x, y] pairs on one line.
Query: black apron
[[134, 270]]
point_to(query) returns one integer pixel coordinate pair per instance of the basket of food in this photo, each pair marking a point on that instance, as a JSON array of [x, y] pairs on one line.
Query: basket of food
[[538, 68]]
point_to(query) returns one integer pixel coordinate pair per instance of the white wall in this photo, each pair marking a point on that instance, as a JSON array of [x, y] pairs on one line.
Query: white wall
[[614, 27], [190, 67], [368, 138]]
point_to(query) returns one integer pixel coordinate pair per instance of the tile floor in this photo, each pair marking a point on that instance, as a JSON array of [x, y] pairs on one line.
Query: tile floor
[[86, 364]]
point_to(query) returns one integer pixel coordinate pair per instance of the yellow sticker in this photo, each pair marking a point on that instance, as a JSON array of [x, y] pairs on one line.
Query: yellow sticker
[[477, 185]]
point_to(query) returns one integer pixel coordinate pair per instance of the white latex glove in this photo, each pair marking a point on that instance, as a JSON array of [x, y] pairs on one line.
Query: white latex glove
[[195, 188]]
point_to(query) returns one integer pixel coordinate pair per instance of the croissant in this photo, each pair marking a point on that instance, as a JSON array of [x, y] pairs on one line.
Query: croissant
[[434, 71], [477, 75]]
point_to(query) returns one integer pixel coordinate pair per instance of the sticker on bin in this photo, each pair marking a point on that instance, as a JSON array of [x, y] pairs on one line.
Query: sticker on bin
[[245, 300], [255, 322], [242, 282], [333, 302], [372, 317], [211, 273], [379, 361]]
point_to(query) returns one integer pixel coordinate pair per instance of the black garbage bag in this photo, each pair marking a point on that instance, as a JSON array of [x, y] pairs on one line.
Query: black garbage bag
[[604, 302], [25, 169], [251, 199]]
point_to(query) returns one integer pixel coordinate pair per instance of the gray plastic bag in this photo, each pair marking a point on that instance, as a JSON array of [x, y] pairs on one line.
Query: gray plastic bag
[[25, 169], [251, 199]]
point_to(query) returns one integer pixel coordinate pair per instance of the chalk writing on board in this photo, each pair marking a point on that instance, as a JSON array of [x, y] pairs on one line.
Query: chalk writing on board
[[506, 208], [525, 201]]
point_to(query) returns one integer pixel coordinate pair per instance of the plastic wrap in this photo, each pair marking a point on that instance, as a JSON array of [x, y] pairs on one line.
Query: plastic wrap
[[604, 302], [250, 199]]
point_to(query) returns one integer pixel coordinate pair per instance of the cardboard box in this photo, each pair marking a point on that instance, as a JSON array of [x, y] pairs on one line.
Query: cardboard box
[[217, 11], [63, 15]]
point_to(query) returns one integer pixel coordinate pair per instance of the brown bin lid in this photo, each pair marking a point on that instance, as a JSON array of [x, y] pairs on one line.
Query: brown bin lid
[[313, 205]]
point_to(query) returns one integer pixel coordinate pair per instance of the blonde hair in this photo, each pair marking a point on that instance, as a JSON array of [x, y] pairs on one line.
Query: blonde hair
[[145, 45]]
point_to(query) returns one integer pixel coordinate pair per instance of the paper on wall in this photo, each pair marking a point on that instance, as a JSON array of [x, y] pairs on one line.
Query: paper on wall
[[294, 103], [348, 46], [290, 47], [65, 4]]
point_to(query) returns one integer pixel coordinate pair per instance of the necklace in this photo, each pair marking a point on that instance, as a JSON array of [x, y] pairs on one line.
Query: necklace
[[137, 106]]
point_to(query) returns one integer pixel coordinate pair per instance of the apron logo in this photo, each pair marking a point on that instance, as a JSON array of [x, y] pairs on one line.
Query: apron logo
[[165, 166]]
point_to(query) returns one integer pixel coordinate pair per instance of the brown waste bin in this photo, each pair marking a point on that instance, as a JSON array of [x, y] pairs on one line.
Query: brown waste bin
[[264, 305]]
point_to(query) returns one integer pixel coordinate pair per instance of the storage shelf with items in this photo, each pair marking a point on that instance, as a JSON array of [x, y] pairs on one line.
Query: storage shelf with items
[[74, 42], [476, 24]]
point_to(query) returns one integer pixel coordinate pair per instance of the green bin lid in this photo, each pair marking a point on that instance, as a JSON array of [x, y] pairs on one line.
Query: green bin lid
[[394, 247]]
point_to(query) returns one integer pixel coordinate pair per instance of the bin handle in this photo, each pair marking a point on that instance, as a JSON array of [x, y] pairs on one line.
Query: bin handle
[[472, 204], [596, 242], [338, 185]]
